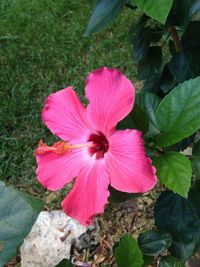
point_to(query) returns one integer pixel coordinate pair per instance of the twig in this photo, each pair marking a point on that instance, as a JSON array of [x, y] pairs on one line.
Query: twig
[[176, 39]]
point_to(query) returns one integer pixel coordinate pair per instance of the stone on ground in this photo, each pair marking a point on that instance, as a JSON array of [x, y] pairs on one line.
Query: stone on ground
[[50, 239]]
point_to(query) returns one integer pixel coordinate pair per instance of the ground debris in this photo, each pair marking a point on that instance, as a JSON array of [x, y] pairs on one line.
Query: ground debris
[[134, 216]]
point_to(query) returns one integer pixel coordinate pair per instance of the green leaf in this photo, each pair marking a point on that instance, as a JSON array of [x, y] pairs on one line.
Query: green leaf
[[167, 80], [137, 28], [130, 4], [180, 67], [178, 115], [157, 9], [152, 84], [18, 212], [191, 38], [170, 261], [196, 159], [65, 263], [148, 260], [151, 63], [183, 11], [154, 243], [118, 196], [193, 9], [127, 253], [136, 119], [140, 37], [185, 64], [104, 13], [177, 216], [142, 43], [194, 196], [149, 103], [174, 171], [140, 118]]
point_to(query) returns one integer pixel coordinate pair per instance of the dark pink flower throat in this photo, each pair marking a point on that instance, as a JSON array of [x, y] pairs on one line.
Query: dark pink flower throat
[[100, 144]]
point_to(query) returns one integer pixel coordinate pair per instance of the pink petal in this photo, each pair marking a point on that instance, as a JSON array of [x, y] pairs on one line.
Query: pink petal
[[89, 193], [111, 96], [129, 168], [54, 171], [65, 116]]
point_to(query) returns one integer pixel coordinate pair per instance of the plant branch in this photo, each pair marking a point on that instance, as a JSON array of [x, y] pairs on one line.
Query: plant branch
[[175, 38]]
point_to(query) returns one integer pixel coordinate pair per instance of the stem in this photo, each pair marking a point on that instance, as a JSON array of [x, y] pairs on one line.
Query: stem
[[176, 39]]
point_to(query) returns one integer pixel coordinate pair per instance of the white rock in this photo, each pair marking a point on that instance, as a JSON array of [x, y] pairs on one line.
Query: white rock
[[43, 246]]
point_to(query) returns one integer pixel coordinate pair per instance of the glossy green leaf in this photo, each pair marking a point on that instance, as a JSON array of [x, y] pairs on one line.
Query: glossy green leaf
[[170, 261], [104, 13], [136, 119], [149, 103], [65, 263], [194, 196], [193, 9], [185, 64], [152, 84], [118, 196], [167, 82], [18, 212], [185, 10], [191, 38], [180, 67], [140, 118], [154, 243], [177, 216], [142, 44], [196, 159], [157, 9], [151, 63], [182, 12], [174, 171], [130, 4], [148, 260], [137, 28], [140, 36], [178, 115], [127, 253]]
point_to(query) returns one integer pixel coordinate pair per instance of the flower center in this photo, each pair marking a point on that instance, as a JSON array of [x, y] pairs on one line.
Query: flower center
[[100, 145]]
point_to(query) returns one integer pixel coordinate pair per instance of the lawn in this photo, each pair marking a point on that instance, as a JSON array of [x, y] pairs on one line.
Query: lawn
[[42, 49]]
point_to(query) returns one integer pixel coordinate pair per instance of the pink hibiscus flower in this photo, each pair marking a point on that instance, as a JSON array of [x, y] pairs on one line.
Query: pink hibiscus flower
[[92, 150]]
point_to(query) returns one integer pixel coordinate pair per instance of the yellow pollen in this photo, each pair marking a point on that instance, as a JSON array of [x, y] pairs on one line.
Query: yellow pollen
[[59, 147]]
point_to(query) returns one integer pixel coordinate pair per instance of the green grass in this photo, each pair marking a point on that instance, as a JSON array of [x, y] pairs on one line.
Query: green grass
[[42, 49]]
